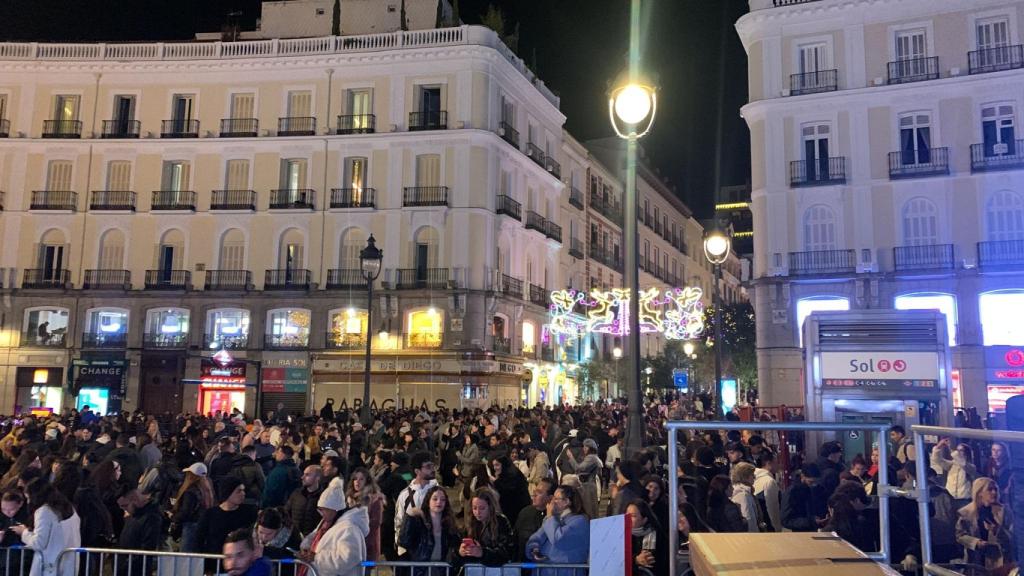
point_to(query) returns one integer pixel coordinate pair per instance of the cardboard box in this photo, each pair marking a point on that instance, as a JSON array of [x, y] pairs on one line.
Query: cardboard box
[[780, 554]]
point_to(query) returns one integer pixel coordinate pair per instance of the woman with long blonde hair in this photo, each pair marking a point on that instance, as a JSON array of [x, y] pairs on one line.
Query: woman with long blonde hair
[[362, 490]]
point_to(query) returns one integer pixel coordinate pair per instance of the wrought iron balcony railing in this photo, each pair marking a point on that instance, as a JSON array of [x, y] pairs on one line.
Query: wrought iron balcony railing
[[228, 280], [508, 133], [553, 231], [161, 341], [822, 262], [929, 257], [428, 120], [173, 200], [338, 340], [296, 126], [508, 206], [345, 279], [62, 128], [56, 338], [179, 128], [993, 156], [285, 341], [233, 200], [576, 248], [288, 279], [913, 70], [813, 82], [538, 295], [122, 200], [820, 172], [501, 345], [536, 222], [353, 198], [995, 59], [510, 285], [1001, 254], [535, 153], [46, 278], [227, 341], [239, 127], [107, 280], [575, 197], [357, 124], [53, 200], [105, 340], [5, 128], [552, 166], [292, 199], [121, 129], [413, 278], [166, 279], [425, 196], [917, 163]]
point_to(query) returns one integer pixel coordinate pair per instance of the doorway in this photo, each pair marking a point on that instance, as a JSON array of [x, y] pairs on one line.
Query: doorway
[[161, 383], [862, 441]]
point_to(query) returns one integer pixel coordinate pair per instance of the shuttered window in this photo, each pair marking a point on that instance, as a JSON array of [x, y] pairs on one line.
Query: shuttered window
[[58, 175], [119, 175]]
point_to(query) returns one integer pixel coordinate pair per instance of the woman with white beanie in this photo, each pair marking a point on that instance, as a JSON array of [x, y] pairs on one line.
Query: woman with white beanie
[[338, 545]]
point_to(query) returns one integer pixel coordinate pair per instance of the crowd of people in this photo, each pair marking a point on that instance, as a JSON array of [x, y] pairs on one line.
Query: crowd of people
[[459, 487]]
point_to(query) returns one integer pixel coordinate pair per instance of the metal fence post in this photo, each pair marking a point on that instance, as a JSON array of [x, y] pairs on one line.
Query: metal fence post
[[673, 509]]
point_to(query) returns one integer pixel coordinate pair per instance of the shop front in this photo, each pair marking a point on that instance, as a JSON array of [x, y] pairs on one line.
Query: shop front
[[551, 384], [222, 385], [39, 387], [284, 379], [1004, 375], [100, 383]]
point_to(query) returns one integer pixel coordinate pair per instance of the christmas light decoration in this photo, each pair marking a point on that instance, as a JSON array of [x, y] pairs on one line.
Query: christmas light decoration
[[678, 313]]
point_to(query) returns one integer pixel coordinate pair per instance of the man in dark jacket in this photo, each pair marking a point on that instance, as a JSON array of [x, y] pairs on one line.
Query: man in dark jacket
[[302, 504], [805, 503], [223, 464], [244, 467], [143, 526], [128, 457], [282, 480], [531, 517], [830, 462]]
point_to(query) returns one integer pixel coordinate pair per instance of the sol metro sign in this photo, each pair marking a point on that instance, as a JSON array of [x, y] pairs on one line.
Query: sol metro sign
[[880, 370]]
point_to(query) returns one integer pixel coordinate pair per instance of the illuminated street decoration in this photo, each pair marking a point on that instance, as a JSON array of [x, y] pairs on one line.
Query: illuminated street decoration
[[678, 313]]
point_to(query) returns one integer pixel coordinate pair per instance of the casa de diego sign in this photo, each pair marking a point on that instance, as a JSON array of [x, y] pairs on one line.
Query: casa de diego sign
[[677, 313]]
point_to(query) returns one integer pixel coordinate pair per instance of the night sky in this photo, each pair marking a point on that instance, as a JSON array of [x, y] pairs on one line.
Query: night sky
[[576, 46]]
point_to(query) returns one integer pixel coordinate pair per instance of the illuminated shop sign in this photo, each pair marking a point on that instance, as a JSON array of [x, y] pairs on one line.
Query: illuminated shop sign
[[678, 313]]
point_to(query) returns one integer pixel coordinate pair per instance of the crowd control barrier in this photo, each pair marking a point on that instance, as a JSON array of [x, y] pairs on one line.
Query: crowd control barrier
[[122, 562], [921, 495], [15, 560], [444, 569], [675, 426]]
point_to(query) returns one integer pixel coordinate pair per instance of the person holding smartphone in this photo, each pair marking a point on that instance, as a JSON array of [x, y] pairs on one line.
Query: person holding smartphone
[[489, 539], [564, 537]]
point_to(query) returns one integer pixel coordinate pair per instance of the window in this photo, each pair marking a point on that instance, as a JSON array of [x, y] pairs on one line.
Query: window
[[911, 46], [3, 106], [103, 322], [45, 326], [243, 106], [182, 108], [236, 174], [812, 58], [290, 256], [1004, 216], [508, 111], [945, 303], [816, 151], [805, 306], [360, 103], [430, 100], [124, 111], [997, 129], [300, 104], [65, 107], [167, 325], [119, 175], [227, 328], [915, 138], [58, 175], [288, 327], [170, 254], [1002, 318], [819, 229], [348, 328], [920, 223], [232, 250], [529, 338], [293, 173], [111, 253], [428, 170], [52, 256], [355, 177], [352, 242], [425, 328], [993, 33], [175, 177]]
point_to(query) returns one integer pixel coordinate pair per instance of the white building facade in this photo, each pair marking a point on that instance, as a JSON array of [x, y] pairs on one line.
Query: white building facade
[[887, 174]]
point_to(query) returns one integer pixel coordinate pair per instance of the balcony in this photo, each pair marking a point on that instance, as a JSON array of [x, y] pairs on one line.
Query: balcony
[[45, 279], [121, 129], [822, 262], [428, 120], [413, 278], [57, 338], [285, 341], [179, 129], [425, 196], [1006, 254], [538, 295], [913, 70], [575, 197], [929, 257], [609, 210], [62, 128], [501, 345], [353, 197], [510, 286], [107, 280], [576, 248], [226, 341], [288, 279], [995, 156], [508, 134], [536, 222], [813, 82], [422, 340], [535, 153], [296, 126], [553, 231], [509, 207], [237, 280], [995, 59], [105, 340], [607, 257], [345, 279], [168, 280], [338, 340], [919, 163], [820, 172], [239, 127], [5, 128], [357, 124], [174, 200], [292, 199], [119, 200], [160, 341], [553, 167], [54, 200], [233, 200]]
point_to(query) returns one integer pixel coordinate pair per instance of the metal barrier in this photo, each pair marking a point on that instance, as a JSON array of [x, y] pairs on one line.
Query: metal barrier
[[122, 562], [446, 569], [883, 471], [16, 560], [922, 463]]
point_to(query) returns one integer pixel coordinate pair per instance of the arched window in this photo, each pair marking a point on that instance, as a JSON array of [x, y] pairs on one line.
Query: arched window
[[1004, 216], [171, 251], [1002, 317], [52, 258], [425, 328], [106, 327], [819, 228], [227, 328], [920, 222], [232, 250], [425, 248], [529, 338], [111, 252], [945, 303], [45, 326], [287, 328], [348, 329], [167, 327], [291, 250], [805, 306], [353, 241]]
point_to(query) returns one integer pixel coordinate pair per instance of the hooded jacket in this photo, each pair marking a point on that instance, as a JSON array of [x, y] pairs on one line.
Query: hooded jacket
[[342, 549], [767, 489]]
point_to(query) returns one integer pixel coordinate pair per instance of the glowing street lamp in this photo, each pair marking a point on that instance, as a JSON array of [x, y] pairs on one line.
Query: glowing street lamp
[[370, 259], [716, 249]]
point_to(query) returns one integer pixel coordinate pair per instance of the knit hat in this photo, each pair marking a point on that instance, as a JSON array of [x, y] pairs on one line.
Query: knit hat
[[333, 497]]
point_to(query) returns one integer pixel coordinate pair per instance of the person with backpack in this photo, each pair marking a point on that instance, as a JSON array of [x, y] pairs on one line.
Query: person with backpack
[[423, 480], [766, 490], [282, 480]]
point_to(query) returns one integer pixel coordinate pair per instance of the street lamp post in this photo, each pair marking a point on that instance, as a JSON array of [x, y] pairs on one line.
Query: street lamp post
[[632, 105], [688, 352], [716, 249], [617, 354], [369, 264]]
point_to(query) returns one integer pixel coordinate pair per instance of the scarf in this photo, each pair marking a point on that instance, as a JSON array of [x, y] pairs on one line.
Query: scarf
[[648, 537]]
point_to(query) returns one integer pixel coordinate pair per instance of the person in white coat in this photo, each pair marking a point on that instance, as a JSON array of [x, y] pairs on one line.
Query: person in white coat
[[338, 545], [55, 527], [742, 476], [960, 471], [766, 489]]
